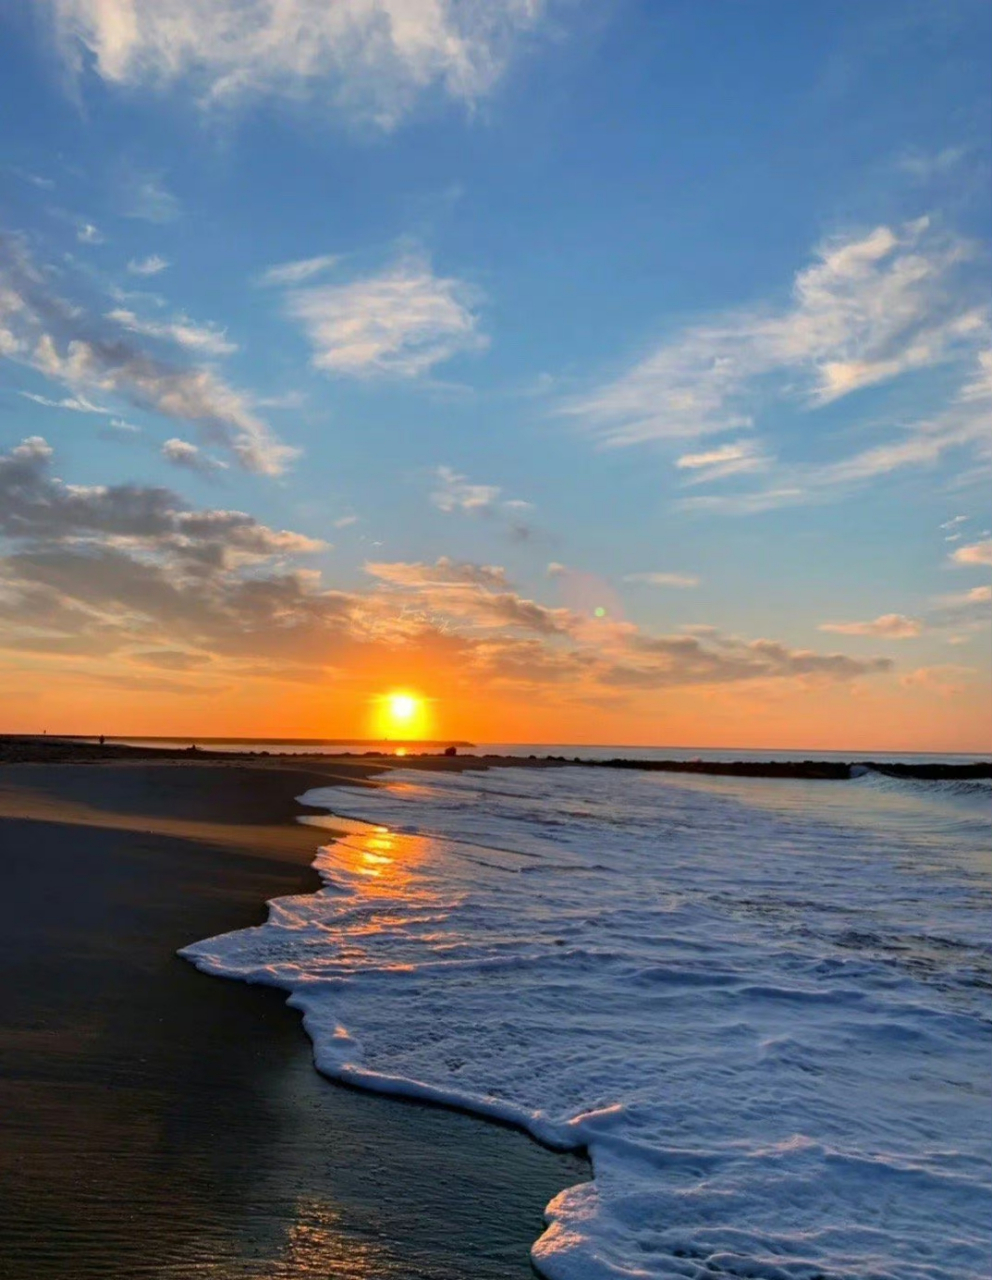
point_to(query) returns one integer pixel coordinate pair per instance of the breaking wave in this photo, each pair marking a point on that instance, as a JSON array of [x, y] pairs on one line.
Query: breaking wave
[[763, 1008]]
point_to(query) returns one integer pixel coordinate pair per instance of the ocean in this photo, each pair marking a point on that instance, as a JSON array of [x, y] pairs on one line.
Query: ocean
[[762, 1006]]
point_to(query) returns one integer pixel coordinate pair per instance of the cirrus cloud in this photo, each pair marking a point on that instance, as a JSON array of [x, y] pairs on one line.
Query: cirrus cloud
[[662, 579], [890, 626], [868, 309], [399, 323], [370, 58]]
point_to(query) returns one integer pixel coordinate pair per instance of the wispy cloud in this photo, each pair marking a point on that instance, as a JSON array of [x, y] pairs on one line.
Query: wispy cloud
[[150, 266], [967, 610], [44, 331], [867, 310], [78, 404], [400, 323], [207, 339], [144, 195], [87, 233], [739, 458], [183, 454], [925, 166], [369, 58], [290, 273], [455, 493], [962, 609], [961, 427], [890, 626], [945, 680], [661, 579], [119, 429]]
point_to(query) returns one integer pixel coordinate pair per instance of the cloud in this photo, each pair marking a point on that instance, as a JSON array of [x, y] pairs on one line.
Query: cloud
[[172, 659], [133, 574], [974, 553], [78, 404], [35, 505], [342, 522], [960, 427], [944, 680], [89, 234], [653, 579], [926, 166], [187, 456], [716, 658], [370, 58], [400, 323], [84, 352], [208, 339], [290, 273], [143, 195], [150, 266], [739, 458], [444, 572], [118, 427], [455, 493], [966, 609], [478, 595], [891, 626], [867, 310]]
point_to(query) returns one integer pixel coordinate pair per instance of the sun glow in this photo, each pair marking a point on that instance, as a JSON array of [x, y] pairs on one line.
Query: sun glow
[[402, 707], [401, 715]]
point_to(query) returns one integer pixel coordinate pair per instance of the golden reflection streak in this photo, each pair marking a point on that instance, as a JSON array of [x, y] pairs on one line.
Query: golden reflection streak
[[316, 1248]]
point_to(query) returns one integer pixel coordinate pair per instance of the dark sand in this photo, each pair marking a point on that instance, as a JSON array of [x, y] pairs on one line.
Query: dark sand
[[155, 1122]]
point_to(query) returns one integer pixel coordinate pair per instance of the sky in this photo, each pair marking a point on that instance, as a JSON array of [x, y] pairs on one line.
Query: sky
[[588, 372]]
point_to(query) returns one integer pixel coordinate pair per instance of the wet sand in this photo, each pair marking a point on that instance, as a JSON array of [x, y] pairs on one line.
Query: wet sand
[[155, 1122]]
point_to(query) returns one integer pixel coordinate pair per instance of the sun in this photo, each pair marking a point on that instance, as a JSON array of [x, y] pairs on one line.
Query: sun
[[401, 714], [402, 707]]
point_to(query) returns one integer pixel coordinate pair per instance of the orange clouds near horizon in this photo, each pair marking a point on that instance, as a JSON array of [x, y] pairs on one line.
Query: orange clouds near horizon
[[127, 611]]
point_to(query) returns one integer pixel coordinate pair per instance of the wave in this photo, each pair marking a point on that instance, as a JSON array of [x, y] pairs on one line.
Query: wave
[[756, 1021], [964, 788]]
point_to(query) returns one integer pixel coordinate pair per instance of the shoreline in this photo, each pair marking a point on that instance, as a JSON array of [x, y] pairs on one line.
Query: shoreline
[[138, 1094]]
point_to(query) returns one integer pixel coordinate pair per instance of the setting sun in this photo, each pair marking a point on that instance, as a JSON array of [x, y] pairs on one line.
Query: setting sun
[[402, 708], [401, 715]]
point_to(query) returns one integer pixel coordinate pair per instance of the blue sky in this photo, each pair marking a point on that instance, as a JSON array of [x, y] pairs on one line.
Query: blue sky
[[674, 310]]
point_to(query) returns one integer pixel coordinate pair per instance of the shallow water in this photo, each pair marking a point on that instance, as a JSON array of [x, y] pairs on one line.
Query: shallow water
[[764, 1006]]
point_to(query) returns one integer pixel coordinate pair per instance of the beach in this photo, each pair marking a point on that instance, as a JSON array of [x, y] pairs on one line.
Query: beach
[[158, 1123]]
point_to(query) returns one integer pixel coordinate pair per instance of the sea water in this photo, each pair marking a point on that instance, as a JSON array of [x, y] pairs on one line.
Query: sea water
[[762, 1006]]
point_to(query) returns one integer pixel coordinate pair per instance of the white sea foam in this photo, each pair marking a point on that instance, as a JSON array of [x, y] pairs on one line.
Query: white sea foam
[[762, 1006]]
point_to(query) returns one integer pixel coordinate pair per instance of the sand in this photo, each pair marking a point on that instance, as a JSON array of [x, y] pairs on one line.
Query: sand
[[158, 1123]]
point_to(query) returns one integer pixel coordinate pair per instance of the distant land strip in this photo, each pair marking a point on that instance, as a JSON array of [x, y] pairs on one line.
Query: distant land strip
[[39, 749], [827, 769], [126, 740]]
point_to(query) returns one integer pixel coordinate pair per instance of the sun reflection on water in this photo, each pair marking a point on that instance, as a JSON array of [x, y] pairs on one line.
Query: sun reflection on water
[[317, 1247]]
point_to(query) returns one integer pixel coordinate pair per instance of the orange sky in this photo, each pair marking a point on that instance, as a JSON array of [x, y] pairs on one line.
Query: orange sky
[[881, 713]]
